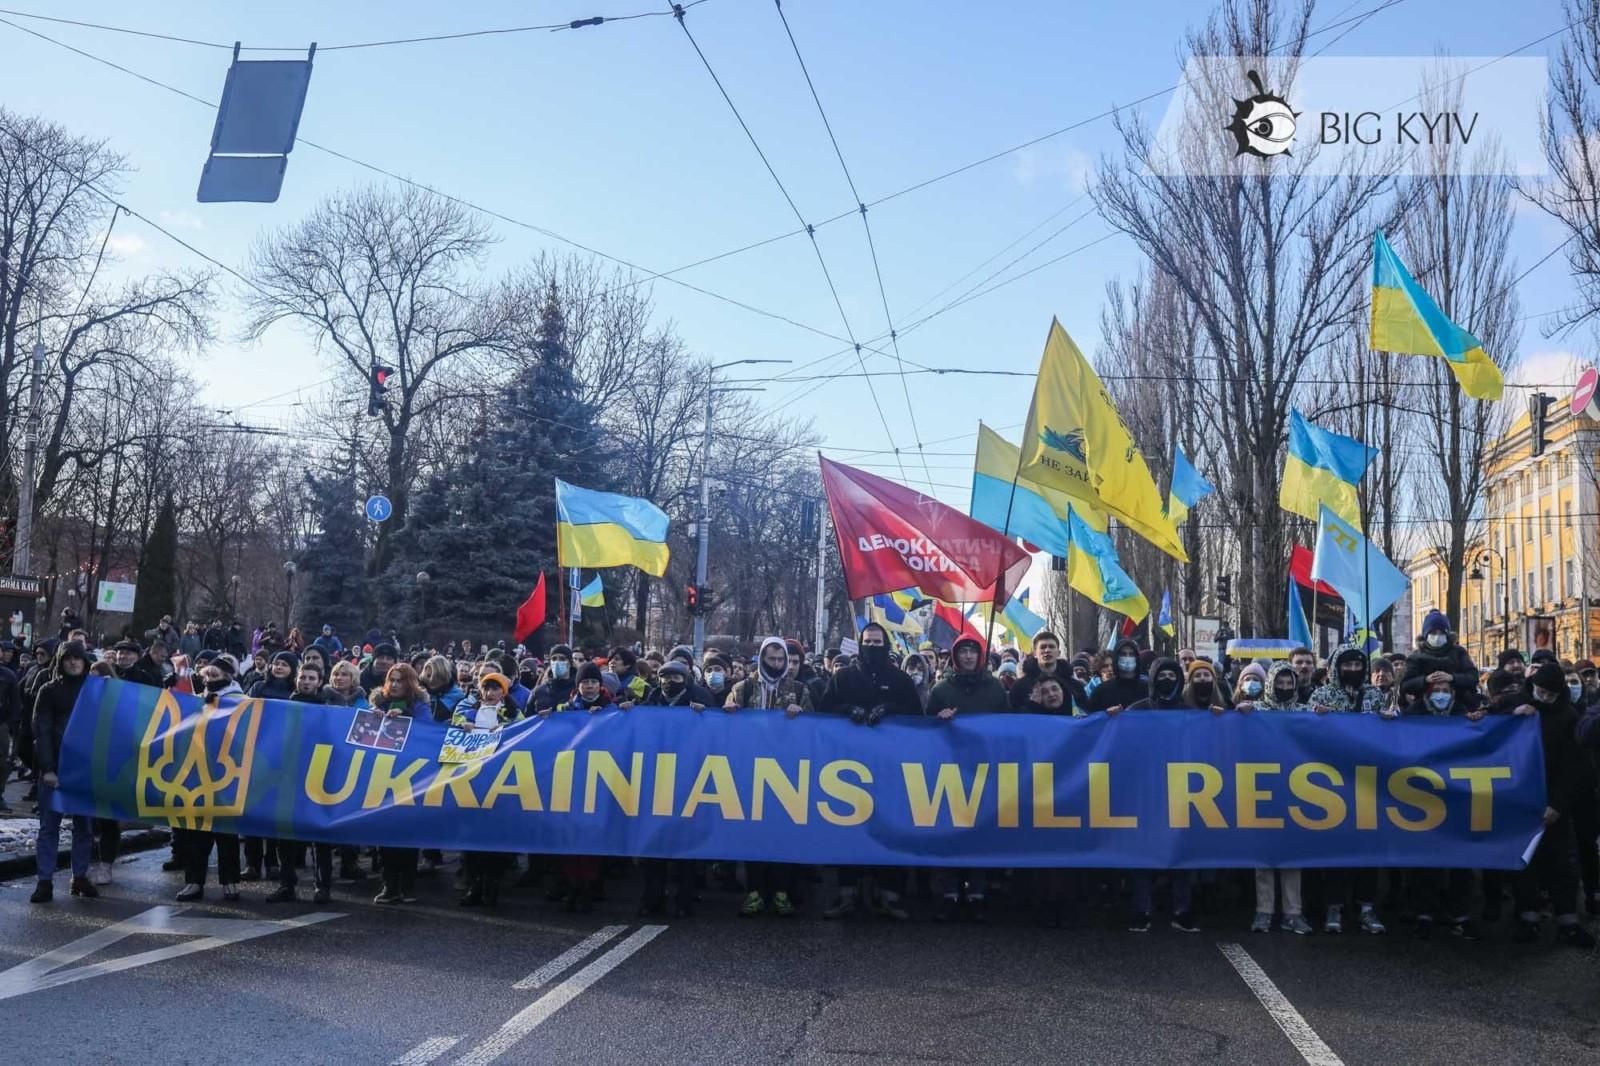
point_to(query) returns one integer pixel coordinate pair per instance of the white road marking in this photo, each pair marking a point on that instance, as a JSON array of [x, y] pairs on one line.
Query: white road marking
[[48, 970], [536, 1013], [1294, 1026], [569, 958], [427, 1051]]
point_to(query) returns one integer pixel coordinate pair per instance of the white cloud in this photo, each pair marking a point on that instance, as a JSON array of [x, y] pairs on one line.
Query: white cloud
[[1555, 371], [181, 220], [126, 245]]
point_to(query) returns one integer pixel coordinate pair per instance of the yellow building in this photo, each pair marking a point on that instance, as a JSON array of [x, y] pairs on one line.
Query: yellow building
[[1533, 570]]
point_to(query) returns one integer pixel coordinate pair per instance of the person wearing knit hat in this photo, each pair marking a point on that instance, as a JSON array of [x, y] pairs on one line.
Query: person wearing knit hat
[[1438, 657], [1252, 685], [1278, 889], [279, 682], [1552, 867], [581, 873], [490, 708]]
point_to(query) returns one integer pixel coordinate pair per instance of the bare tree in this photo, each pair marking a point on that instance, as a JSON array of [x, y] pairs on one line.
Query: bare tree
[[1570, 130]]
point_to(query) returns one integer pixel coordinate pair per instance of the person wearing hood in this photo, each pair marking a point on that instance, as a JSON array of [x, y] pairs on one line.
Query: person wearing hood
[[51, 711], [771, 687], [1438, 654], [970, 689], [1280, 693], [216, 683], [675, 687], [555, 688], [920, 671], [1046, 661], [867, 690], [1125, 686], [1553, 866], [1166, 692]]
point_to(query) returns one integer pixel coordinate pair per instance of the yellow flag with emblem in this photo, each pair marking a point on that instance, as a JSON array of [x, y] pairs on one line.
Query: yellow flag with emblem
[[1076, 442]]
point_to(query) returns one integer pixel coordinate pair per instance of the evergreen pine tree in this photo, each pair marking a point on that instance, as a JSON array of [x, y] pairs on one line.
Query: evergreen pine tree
[[484, 528], [329, 585], [157, 590]]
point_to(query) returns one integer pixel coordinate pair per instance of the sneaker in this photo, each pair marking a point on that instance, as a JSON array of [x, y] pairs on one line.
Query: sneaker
[[189, 893], [43, 892], [250, 873], [753, 905], [281, 894], [82, 886], [1262, 923], [407, 896], [781, 906], [1527, 932], [100, 874], [1423, 930], [843, 907], [1467, 929], [887, 905], [230, 891], [323, 894], [1576, 935], [1297, 925], [949, 910], [1370, 923], [386, 896], [1334, 922], [1183, 923], [1139, 924]]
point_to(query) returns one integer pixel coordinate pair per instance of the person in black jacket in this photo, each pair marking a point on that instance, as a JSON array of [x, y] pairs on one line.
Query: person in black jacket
[[1046, 662], [1437, 654], [10, 720], [1125, 685], [1553, 866], [674, 687], [279, 684], [307, 689], [50, 714]]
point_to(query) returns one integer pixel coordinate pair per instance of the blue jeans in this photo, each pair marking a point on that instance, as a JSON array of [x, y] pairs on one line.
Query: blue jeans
[[47, 848], [1142, 881]]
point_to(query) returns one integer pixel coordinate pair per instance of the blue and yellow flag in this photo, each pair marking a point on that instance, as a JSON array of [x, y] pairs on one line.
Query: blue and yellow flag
[[1164, 618], [1187, 489], [596, 529], [593, 594], [1322, 467], [1052, 521], [1075, 442], [1407, 321]]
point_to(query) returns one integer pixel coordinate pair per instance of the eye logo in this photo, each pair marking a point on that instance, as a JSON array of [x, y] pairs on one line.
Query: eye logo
[[1263, 125]]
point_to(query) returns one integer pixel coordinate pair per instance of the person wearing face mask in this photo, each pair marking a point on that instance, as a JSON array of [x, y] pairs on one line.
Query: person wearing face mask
[[919, 670], [674, 687], [1437, 654], [1553, 866], [1279, 693], [1166, 693], [51, 711], [555, 687], [216, 684], [1202, 690], [1251, 686], [718, 680], [1431, 892], [1125, 686]]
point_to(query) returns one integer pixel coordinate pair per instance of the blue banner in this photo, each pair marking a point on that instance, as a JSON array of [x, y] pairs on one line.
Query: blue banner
[[1157, 789]]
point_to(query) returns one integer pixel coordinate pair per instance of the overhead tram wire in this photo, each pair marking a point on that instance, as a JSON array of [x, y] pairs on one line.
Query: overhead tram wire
[[811, 232], [411, 182], [866, 225]]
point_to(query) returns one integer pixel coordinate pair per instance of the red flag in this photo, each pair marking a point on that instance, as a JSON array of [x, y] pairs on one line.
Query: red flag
[[530, 615], [891, 537], [1300, 560], [950, 625]]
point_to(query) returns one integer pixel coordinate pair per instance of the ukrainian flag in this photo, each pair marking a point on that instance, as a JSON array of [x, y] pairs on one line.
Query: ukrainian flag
[[1187, 489], [1164, 618], [1052, 521], [596, 529], [1017, 619], [1322, 468], [1406, 320], [593, 594]]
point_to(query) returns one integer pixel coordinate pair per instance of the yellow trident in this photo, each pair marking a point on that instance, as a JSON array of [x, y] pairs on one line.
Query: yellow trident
[[204, 785]]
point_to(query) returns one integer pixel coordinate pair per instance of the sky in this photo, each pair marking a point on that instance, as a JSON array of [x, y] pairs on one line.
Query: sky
[[617, 138]]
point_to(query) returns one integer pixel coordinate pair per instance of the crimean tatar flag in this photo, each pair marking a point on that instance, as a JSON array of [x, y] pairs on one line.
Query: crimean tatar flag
[[1322, 467], [1406, 320], [1076, 442], [597, 529]]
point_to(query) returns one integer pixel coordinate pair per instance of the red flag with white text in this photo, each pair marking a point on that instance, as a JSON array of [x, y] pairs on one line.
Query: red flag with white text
[[892, 537]]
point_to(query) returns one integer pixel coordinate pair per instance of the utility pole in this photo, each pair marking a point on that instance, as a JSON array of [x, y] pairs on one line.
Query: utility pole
[[822, 549], [703, 523], [22, 558]]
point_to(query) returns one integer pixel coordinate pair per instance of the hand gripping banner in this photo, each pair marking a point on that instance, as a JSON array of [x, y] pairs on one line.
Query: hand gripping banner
[[1154, 789]]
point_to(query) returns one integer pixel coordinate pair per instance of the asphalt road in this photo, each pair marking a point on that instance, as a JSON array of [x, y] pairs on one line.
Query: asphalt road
[[134, 978]]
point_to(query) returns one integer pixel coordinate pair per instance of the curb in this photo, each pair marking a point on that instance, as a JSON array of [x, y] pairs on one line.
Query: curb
[[18, 864]]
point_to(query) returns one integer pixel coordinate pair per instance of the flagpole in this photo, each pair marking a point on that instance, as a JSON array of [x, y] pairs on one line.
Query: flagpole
[[1005, 533]]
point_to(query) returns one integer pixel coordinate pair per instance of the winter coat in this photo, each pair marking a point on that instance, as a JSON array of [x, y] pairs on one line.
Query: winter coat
[[750, 693], [385, 704], [552, 693], [1179, 700], [189, 645], [273, 688], [690, 693], [144, 671], [352, 697], [464, 714], [857, 686], [578, 703], [1021, 691], [1269, 702], [332, 647], [1369, 699], [1451, 659], [968, 691], [52, 709], [1565, 772], [444, 703], [1122, 689], [167, 635], [10, 701]]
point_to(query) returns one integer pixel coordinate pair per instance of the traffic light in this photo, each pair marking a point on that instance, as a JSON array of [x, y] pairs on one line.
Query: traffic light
[[700, 599], [377, 385], [1539, 420], [1225, 589]]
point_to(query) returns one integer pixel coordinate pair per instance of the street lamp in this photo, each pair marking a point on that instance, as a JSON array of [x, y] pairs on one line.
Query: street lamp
[[233, 598], [288, 599], [1478, 574], [423, 577], [702, 527]]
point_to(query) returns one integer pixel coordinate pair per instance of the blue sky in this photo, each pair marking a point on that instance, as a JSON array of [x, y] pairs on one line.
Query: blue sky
[[616, 137]]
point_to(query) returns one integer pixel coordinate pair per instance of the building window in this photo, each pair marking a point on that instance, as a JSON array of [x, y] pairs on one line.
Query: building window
[[1499, 595], [1550, 584], [1569, 514], [1516, 600], [1549, 522], [1572, 579], [1527, 529], [1532, 589]]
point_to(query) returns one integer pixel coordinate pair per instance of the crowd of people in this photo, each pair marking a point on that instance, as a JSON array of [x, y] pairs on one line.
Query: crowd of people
[[481, 686]]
